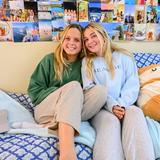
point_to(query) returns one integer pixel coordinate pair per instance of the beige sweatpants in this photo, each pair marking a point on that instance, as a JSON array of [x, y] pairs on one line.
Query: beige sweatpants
[[69, 104]]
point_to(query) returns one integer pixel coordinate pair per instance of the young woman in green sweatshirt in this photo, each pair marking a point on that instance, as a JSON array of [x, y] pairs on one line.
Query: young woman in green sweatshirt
[[56, 91]]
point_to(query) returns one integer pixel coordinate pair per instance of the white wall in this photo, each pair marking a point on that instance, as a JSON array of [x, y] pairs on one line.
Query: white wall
[[18, 60]]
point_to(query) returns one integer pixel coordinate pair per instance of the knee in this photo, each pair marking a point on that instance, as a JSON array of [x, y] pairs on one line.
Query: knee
[[75, 85], [113, 120], [134, 112], [106, 117], [73, 88]]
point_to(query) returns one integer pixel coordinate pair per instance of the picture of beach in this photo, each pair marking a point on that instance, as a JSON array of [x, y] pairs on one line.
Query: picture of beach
[[45, 30], [25, 31]]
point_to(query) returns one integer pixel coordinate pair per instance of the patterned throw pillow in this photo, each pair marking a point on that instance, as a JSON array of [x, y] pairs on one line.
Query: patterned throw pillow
[[23, 99], [145, 59], [149, 96]]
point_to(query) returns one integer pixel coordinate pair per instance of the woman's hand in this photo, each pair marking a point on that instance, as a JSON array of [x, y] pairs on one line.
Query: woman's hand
[[119, 111]]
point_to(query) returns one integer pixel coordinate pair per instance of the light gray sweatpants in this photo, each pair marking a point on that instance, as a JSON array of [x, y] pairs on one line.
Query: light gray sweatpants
[[131, 141], [70, 105]]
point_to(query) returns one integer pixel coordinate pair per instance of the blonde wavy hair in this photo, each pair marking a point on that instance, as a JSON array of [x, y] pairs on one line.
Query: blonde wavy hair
[[60, 61], [107, 48]]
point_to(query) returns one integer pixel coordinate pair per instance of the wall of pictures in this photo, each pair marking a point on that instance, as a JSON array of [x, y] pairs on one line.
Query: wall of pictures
[[42, 20]]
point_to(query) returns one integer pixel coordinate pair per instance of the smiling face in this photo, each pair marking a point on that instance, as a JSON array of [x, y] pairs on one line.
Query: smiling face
[[72, 44], [93, 41]]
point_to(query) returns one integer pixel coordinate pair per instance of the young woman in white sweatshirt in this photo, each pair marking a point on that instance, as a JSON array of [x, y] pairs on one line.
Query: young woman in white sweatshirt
[[122, 132]]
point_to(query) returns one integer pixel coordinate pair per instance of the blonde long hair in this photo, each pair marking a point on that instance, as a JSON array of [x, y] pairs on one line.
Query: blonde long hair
[[60, 62], [107, 49]]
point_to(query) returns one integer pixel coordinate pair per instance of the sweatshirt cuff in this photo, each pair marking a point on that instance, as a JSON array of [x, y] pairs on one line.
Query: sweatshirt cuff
[[122, 103], [110, 105]]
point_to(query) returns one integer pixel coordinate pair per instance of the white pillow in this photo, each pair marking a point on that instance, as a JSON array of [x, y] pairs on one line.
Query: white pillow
[[16, 112]]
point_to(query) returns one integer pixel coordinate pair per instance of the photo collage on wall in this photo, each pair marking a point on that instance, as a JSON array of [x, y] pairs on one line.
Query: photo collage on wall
[[42, 20]]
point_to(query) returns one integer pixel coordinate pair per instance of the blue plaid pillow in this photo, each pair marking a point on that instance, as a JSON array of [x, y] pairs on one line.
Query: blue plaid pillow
[[145, 59], [23, 99]]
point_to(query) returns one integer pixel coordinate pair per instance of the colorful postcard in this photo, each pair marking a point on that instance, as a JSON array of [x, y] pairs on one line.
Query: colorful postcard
[[140, 2], [152, 2], [114, 30], [45, 30], [4, 14], [118, 1], [130, 1], [150, 32], [151, 14], [158, 14], [118, 13], [6, 33], [95, 11], [18, 4], [139, 32], [25, 31], [140, 14], [129, 13], [107, 1], [5, 4], [128, 31], [16, 15], [157, 32], [107, 12], [58, 22], [44, 6], [57, 27], [57, 11], [32, 11], [46, 15], [70, 11], [83, 11], [0, 3]]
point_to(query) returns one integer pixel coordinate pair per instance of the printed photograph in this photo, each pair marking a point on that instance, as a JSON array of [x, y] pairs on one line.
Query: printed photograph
[[115, 30], [82, 11], [6, 32], [130, 2], [157, 32], [139, 32], [128, 31], [118, 13], [150, 32], [44, 6], [158, 14], [18, 4], [45, 30], [70, 11], [152, 2], [139, 14], [140, 2], [107, 12], [25, 31], [94, 12], [151, 14], [129, 13]]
